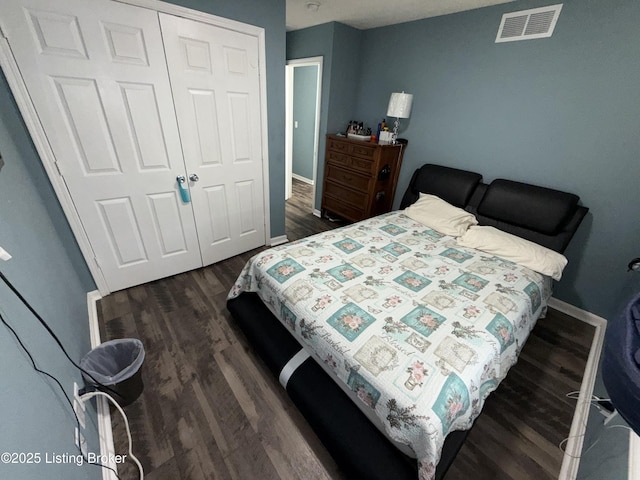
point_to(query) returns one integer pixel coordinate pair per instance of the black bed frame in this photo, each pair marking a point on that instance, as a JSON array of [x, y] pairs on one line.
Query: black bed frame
[[547, 217]]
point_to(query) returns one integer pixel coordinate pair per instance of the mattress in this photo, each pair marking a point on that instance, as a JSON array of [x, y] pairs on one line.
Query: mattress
[[418, 328]]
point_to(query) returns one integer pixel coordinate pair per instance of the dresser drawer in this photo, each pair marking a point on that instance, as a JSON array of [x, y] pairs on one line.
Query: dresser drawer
[[356, 199], [338, 158], [335, 205], [337, 146], [364, 151], [361, 164], [353, 180]]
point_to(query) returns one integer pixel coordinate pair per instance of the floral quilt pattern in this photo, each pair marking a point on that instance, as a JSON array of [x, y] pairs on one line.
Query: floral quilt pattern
[[421, 329]]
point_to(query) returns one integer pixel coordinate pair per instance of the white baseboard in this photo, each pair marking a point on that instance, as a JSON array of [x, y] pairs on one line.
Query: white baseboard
[[575, 312], [573, 449], [317, 213], [275, 241], [94, 326], [634, 456], [302, 179], [105, 431]]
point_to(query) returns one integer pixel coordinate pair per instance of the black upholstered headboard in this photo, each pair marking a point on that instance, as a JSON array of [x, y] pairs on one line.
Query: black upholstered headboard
[[450, 184], [545, 216]]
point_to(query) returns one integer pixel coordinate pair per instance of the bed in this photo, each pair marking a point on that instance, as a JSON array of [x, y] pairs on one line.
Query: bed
[[388, 335]]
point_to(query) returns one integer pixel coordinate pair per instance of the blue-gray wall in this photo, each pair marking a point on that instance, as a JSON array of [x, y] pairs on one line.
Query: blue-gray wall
[[339, 45], [48, 269], [270, 15], [305, 93], [561, 112]]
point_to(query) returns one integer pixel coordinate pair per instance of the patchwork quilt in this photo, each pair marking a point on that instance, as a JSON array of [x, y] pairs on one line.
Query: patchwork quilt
[[420, 328]]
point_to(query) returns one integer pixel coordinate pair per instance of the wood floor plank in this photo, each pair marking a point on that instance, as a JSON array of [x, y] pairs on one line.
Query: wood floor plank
[[210, 415], [163, 472], [234, 424], [212, 409], [117, 306], [148, 425], [284, 444], [201, 457], [507, 451]]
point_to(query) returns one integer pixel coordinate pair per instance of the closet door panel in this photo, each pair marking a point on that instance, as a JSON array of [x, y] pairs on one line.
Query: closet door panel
[[215, 84]]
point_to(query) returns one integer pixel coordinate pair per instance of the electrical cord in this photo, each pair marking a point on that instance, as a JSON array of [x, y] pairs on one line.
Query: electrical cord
[[594, 398], [94, 393], [33, 363], [575, 395], [561, 446], [52, 333], [604, 405], [563, 442], [35, 367]]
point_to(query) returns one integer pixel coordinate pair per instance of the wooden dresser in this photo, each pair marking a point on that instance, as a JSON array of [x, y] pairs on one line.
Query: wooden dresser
[[360, 178]]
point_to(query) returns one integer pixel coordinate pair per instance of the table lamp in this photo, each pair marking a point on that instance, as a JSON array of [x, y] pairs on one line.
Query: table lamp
[[399, 107]]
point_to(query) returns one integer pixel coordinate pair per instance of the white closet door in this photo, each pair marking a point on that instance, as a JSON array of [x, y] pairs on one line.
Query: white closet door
[[215, 84], [96, 73]]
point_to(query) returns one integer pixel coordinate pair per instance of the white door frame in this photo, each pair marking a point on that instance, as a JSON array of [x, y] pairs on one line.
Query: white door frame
[[30, 116], [289, 69]]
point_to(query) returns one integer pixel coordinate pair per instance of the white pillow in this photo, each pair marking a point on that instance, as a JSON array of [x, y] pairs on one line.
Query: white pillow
[[516, 249], [443, 217]]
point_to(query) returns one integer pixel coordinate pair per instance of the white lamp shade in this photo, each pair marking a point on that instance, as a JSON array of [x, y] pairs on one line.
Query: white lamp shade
[[400, 105]]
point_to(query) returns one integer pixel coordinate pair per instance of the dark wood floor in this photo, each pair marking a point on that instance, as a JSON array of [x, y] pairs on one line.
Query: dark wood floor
[[299, 222], [211, 410]]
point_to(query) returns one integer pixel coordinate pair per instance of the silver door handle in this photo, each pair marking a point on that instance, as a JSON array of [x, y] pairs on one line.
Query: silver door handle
[[193, 177], [181, 179]]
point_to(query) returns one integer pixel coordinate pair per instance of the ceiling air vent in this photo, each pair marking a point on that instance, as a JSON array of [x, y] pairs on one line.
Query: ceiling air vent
[[528, 24]]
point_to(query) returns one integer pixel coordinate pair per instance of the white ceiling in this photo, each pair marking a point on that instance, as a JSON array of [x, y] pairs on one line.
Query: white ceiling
[[364, 14]]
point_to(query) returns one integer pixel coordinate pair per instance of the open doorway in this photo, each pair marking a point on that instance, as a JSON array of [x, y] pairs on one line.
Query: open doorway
[[303, 81]]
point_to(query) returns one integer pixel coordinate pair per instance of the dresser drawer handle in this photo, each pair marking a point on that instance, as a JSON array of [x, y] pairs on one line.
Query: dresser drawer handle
[[346, 178]]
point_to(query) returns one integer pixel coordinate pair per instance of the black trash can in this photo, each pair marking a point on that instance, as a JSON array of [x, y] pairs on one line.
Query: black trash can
[[116, 364]]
